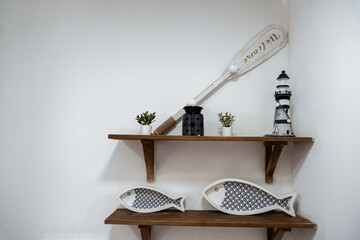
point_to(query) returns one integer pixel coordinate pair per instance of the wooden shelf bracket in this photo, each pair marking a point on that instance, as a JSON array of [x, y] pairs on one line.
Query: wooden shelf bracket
[[145, 232], [148, 148], [276, 234], [272, 154]]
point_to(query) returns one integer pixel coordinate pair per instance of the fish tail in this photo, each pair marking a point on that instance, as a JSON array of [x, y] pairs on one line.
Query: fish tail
[[286, 203], [179, 204]]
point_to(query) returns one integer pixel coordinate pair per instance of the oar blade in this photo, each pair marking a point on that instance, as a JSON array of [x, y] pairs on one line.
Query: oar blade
[[264, 45]]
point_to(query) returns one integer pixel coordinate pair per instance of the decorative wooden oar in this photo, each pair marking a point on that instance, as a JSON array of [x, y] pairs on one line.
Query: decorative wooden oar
[[265, 44]]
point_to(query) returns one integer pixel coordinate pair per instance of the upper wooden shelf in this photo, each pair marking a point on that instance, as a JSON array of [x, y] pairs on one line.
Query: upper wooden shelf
[[277, 223], [209, 138], [273, 147]]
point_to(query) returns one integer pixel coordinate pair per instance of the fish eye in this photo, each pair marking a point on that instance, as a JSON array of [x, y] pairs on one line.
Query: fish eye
[[216, 189], [128, 193]]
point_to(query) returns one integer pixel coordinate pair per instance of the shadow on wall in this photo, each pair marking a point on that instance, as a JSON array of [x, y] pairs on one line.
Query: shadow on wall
[[207, 160], [184, 161], [300, 154], [2, 234], [303, 233], [117, 231], [181, 233], [209, 233], [125, 162], [206, 205]]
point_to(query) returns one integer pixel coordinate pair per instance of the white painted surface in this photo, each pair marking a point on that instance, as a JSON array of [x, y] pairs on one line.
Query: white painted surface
[[324, 46], [70, 73]]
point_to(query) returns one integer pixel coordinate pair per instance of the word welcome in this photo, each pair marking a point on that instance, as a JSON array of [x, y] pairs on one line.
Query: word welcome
[[262, 47]]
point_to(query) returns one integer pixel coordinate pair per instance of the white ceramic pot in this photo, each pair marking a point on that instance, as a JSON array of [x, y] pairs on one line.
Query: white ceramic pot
[[145, 129], [226, 131]]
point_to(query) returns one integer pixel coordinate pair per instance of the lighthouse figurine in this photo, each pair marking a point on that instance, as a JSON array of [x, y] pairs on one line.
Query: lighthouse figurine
[[282, 120]]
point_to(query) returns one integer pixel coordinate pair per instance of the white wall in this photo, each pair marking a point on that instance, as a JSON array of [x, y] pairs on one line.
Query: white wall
[[324, 57], [73, 71]]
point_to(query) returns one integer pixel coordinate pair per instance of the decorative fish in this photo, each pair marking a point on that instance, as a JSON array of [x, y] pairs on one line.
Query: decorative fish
[[147, 199], [239, 197]]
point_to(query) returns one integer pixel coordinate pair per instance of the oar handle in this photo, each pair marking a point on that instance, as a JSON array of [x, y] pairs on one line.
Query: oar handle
[[171, 121], [165, 126]]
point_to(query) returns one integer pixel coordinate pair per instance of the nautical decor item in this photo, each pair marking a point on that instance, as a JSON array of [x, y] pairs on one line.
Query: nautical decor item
[[282, 121], [227, 120], [145, 119], [193, 120], [239, 197], [147, 199], [264, 45]]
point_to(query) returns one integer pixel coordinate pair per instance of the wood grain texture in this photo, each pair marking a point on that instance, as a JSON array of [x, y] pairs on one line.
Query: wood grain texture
[[209, 138], [208, 219], [279, 233], [272, 154], [145, 232], [165, 126], [148, 148], [269, 233], [268, 152]]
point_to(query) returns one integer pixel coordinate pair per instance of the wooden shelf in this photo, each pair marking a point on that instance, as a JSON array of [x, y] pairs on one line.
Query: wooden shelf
[[273, 147], [276, 223], [209, 138]]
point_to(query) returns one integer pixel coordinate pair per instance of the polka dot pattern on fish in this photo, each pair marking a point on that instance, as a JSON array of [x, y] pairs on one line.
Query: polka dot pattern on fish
[[149, 199], [244, 197]]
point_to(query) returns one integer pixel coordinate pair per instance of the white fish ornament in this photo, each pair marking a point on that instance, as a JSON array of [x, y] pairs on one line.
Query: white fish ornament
[[239, 197], [147, 199]]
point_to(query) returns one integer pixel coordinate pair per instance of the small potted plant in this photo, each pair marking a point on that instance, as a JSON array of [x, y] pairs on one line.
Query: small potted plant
[[227, 120], [145, 119]]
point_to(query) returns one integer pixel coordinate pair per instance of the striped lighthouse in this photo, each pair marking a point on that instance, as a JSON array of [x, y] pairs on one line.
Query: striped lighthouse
[[282, 120]]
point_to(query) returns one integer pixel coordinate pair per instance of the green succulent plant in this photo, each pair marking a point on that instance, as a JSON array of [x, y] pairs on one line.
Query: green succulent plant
[[226, 119], [145, 118]]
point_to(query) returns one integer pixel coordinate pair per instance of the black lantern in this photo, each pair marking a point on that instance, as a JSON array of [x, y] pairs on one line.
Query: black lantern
[[193, 121]]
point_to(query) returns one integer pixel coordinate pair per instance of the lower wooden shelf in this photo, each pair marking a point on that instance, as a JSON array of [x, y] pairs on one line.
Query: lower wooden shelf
[[276, 223]]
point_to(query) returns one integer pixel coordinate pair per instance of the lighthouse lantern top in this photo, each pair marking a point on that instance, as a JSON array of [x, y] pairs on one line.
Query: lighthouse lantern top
[[283, 78], [283, 75]]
